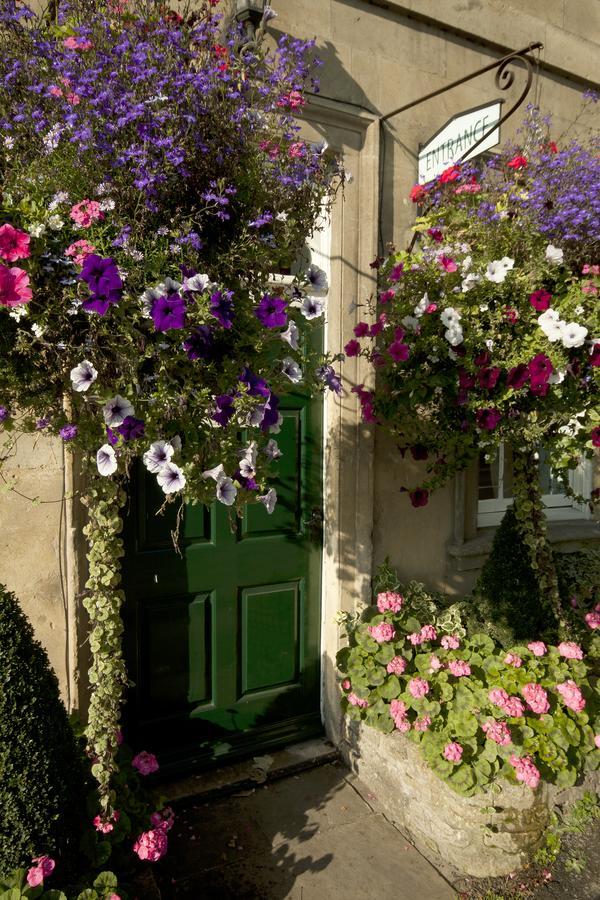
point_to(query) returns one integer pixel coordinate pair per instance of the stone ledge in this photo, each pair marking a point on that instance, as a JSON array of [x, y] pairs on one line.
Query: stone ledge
[[460, 831]]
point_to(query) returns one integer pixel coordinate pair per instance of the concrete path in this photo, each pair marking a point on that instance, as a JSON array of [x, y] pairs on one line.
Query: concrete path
[[311, 836]]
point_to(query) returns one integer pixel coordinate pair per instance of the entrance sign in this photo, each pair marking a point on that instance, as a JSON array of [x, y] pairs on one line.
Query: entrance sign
[[455, 137]]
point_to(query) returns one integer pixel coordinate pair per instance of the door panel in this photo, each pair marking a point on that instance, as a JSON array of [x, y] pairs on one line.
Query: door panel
[[223, 639]]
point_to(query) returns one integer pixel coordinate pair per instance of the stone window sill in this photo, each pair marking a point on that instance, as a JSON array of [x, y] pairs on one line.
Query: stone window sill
[[565, 536]]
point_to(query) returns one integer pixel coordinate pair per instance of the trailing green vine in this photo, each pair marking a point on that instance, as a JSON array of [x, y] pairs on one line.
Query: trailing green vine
[[108, 677]]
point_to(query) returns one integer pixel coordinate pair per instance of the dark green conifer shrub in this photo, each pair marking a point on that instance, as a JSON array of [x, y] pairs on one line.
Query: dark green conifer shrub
[[507, 596], [42, 783]]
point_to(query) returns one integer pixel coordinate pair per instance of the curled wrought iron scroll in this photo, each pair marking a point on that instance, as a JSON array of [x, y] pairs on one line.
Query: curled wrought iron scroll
[[504, 79]]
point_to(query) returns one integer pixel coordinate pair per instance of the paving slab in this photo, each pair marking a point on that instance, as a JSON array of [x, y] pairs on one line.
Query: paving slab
[[310, 836]]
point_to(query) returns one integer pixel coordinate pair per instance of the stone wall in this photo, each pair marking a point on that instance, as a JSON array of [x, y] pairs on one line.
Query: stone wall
[[490, 834]]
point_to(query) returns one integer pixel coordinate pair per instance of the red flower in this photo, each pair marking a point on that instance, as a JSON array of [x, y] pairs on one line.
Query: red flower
[[436, 234], [517, 162], [449, 174], [417, 192], [483, 359], [517, 377], [361, 329], [595, 356], [488, 378], [419, 497], [511, 314], [376, 262], [540, 300], [596, 436], [447, 263], [352, 348], [399, 351], [552, 146], [386, 296], [540, 369]]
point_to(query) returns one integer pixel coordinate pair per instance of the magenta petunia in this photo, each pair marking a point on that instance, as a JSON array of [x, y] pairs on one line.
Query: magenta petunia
[[14, 244]]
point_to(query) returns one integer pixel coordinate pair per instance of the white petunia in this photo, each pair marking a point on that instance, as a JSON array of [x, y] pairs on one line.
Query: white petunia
[[291, 368], [55, 222], [272, 450], [171, 478], [116, 411], [37, 330], [317, 278], [450, 316], [83, 376], [557, 377], [421, 306], [312, 307], [158, 456], [147, 299], [497, 269], [269, 500], [282, 217], [169, 286], [554, 255], [18, 312], [489, 344], [551, 324], [454, 335], [226, 491], [469, 281], [37, 230], [216, 473], [411, 323], [466, 264], [106, 460], [573, 335], [290, 335], [248, 460], [197, 283]]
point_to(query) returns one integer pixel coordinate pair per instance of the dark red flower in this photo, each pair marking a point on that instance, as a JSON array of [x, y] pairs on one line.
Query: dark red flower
[[376, 262], [399, 351], [436, 234], [483, 359], [517, 377], [465, 380], [488, 419], [540, 300], [419, 497], [361, 330], [595, 356], [540, 369], [352, 348], [596, 436], [488, 378]]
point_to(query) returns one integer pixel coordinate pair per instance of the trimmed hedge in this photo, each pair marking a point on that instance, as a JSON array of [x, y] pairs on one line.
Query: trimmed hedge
[[42, 783]]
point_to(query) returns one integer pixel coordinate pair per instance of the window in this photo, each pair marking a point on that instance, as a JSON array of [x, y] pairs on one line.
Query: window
[[495, 490]]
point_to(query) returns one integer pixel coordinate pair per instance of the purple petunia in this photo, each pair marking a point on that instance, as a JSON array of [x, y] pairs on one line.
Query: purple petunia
[[3, 414], [131, 428], [271, 312], [201, 344], [102, 277], [68, 432], [168, 312], [328, 375], [257, 387], [225, 409], [221, 307]]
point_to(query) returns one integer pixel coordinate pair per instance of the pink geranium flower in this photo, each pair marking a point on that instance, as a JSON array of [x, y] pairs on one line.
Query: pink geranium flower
[[151, 845], [512, 660], [453, 752], [382, 632], [145, 763], [44, 866], [571, 695], [435, 663], [422, 724], [428, 633], [389, 601], [499, 732], [537, 698], [353, 700], [597, 741], [450, 642], [14, 287], [396, 666], [418, 687], [14, 244], [399, 714], [538, 648], [346, 684], [459, 667], [570, 650], [525, 770], [86, 213], [593, 619]]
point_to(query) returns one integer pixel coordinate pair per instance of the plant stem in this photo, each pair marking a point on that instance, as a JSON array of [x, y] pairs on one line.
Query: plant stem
[[108, 677], [529, 510]]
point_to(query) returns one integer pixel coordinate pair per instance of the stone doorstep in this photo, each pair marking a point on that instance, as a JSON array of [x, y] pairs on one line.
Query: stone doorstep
[[247, 774]]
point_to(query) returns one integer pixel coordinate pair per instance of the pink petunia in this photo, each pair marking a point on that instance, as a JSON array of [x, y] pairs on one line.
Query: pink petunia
[[448, 264], [14, 287], [14, 244]]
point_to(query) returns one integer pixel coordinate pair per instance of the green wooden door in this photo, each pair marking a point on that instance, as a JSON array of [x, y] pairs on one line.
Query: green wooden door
[[223, 641]]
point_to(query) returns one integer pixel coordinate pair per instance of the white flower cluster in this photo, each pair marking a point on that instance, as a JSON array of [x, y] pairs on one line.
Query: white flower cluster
[[226, 490], [571, 334], [498, 269], [451, 320]]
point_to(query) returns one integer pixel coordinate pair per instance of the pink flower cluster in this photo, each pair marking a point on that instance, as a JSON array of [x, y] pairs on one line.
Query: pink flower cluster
[[571, 695], [152, 845], [353, 700], [512, 659], [399, 714], [418, 687], [397, 665], [570, 650], [43, 867], [164, 819], [105, 826], [427, 633], [435, 663], [525, 770], [459, 667], [14, 244], [80, 250], [389, 601], [453, 752], [537, 698], [450, 642], [86, 213], [422, 724], [593, 618], [510, 706], [499, 732], [145, 763], [538, 648], [382, 632]]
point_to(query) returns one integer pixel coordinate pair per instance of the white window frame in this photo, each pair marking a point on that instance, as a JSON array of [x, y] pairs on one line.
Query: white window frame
[[558, 507]]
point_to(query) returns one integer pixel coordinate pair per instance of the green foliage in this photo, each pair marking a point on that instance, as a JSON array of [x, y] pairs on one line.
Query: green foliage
[[507, 596], [41, 767], [15, 887], [559, 743]]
